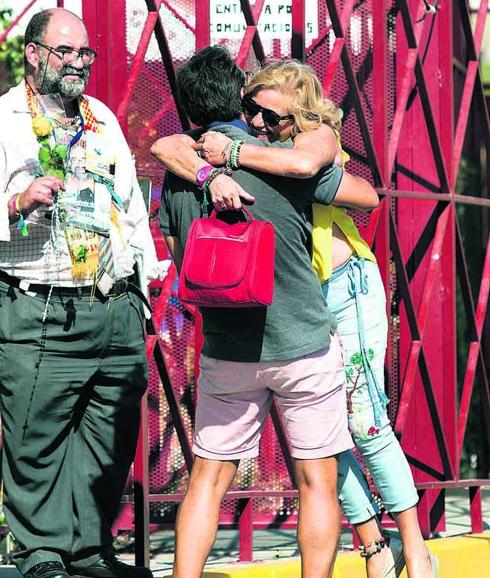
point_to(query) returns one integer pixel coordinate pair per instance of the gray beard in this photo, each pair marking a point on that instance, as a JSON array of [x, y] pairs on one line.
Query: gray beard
[[50, 81]]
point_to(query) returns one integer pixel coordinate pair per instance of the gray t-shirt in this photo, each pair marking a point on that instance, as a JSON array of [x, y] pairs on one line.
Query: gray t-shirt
[[297, 323]]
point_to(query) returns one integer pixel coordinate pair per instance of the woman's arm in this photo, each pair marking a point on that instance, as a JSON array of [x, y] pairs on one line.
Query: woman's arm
[[356, 193], [177, 152], [310, 152]]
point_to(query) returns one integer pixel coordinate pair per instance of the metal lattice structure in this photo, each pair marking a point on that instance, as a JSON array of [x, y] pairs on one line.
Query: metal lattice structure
[[415, 118]]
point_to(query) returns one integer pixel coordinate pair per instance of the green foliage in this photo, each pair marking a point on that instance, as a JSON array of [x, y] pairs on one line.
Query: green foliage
[[52, 159], [11, 55], [356, 359]]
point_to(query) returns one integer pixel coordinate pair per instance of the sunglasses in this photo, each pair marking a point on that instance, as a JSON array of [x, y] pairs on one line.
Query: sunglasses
[[270, 118]]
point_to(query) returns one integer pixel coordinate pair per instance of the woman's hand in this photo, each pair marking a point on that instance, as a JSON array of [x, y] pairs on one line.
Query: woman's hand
[[214, 147], [227, 195]]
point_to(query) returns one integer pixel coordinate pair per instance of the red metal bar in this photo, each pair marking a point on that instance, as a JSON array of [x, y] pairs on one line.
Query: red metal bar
[[423, 512], [407, 389], [434, 263], [355, 94], [248, 37], [258, 494], [473, 39], [245, 528], [341, 25], [473, 49], [453, 484], [402, 100], [15, 21], [298, 27], [425, 339], [105, 23], [476, 510], [203, 24], [177, 15], [425, 100], [374, 219], [464, 111], [380, 102], [251, 18], [318, 41], [173, 407], [138, 62], [333, 63], [464, 404], [416, 356], [476, 323], [482, 305], [141, 490], [154, 6]]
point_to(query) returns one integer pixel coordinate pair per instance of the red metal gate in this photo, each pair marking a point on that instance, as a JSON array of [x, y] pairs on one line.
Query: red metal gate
[[416, 124], [389, 64]]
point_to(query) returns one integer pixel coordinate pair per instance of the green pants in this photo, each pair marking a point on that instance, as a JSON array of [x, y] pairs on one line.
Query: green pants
[[70, 390]]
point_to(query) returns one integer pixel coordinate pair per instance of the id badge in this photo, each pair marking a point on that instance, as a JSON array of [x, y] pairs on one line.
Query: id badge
[[85, 204], [99, 159]]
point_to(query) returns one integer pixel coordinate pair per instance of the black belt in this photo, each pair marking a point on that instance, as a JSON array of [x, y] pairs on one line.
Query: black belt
[[121, 286]]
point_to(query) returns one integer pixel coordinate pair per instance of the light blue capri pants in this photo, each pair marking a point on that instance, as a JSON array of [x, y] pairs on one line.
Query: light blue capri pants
[[355, 295]]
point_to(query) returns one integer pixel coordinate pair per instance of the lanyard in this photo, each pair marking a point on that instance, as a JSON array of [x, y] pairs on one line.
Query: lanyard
[[79, 133]]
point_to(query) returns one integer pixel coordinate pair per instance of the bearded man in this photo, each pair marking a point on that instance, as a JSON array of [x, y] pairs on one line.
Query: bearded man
[[73, 224]]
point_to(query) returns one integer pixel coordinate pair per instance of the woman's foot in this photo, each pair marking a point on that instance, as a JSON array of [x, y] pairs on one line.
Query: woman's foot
[[435, 565], [423, 566], [376, 565], [389, 562]]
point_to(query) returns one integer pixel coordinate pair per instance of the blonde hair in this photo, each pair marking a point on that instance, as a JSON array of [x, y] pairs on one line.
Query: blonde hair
[[298, 81]]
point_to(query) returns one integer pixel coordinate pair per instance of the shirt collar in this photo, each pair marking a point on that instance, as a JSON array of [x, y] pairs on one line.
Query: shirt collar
[[238, 122]]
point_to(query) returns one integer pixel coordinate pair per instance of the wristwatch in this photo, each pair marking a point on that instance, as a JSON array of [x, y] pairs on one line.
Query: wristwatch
[[202, 175]]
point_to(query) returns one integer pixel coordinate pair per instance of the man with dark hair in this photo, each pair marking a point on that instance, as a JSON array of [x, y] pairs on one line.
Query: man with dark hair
[[212, 99], [288, 351], [73, 225]]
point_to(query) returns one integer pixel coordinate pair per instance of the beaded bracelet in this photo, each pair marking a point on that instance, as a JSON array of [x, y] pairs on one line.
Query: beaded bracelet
[[234, 161], [212, 175], [21, 225], [377, 546]]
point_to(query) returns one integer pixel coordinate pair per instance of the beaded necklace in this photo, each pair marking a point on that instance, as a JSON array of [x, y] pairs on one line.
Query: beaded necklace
[[83, 245]]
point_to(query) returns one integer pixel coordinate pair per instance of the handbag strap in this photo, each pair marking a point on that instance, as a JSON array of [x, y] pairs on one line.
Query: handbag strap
[[214, 213]]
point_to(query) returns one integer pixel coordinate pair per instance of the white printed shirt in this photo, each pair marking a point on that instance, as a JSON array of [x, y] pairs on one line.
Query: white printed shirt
[[31, 258]]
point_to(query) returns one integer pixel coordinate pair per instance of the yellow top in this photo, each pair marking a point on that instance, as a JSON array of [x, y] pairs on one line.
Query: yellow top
[[324, 218]]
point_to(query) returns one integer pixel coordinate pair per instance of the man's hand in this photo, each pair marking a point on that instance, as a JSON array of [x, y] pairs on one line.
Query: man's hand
[[39, 192], [227, 195], [214, 147]]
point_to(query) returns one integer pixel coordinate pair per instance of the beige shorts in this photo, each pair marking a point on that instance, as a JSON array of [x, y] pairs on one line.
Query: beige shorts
[[234, 400]]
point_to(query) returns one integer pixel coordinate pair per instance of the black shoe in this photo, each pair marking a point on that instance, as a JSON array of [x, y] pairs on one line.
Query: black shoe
[[110, 567], [47, 570]]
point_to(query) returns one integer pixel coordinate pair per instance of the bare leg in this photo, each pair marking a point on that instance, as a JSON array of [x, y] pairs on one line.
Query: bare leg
[[369, 532], [416, 554], [319, 516], [197, 520]]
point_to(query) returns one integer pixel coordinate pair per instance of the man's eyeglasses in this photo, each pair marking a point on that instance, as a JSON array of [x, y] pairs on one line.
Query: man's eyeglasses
[[270, 118], [69, 55]]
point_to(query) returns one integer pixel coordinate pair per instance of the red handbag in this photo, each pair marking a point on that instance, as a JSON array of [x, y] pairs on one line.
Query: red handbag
[[228, 265]]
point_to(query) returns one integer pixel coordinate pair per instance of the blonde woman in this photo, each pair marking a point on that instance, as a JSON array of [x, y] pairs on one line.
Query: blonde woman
[[284, 104]]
